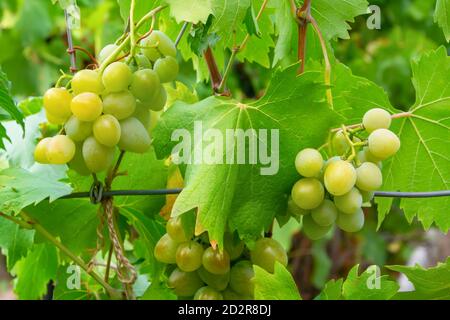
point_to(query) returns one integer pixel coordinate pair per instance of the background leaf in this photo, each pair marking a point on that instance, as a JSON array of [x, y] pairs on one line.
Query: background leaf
[[277, 286]]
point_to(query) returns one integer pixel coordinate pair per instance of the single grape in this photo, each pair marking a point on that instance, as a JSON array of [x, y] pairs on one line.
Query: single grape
[[294, 210], [158, 44], [266, 252], [143, 114], [77, 130], [134, 137], [60, 150], [309, 162], [87, 106], [215, 261], [40, 152], [234, 246], [339, 143], [145, 85], [241, 276], [189, 256], [215, 281], [376, 119], [166, 249], [325, 214], [107, 130], [312, 230], [57, 102], [107, 51], [368, 177], [229, 294], [350, 202], [383, 143], [166, 68], [177, 231], [340, 177], [54, 120], [117, 77], [325, 166], [97, 156], [367, 196], [77, 163], [121, 104], [308, 193], [351, 222], [208, 293], [159, 101], [184, 284], [366, 156], [87, 81]]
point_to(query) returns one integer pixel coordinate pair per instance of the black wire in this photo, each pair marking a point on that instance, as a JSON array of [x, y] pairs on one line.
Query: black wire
[[432, 194]]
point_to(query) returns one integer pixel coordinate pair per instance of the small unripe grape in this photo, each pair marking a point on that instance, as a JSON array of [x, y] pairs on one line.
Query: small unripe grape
[[166, 249], [117, 77], [60, 150], [159, 100], [340, 177], [351, 222], [233, 246], [312, 230], [77, 163], [308, 193], [309, 162], [184, 284], [120, 104], [107, 130], [325, 214], [367, 196], [215, 261], [134, 136], [87, 106], [339, 143], [57, 102], [369, 177], [189, 256], [143, 114], [376, 119], [177, 231], [266, 252], [166, 68], [215, 281], [383, 143], [145, 85], [241, 276], [294, 210], [77, 130], [40, 152], [158, 44], [107, 51], [97, 156], [53, 119], [87, 81], [350, 202], [208, 293]]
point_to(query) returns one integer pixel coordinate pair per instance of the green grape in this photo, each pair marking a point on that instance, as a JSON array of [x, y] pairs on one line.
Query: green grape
[[167, 69], [97, 156], [158, 44], [368, 157], [54, 120], [134, 137], [308, 193], [184, 284], [368, 177], [107, 51], [166, 249], [143, 62], [57, 102], [325, 214], [309, 163], [229, 294], [266, 252], [241, 276], [145, 85], [376, 119], [233, 246], [383, 143], [143, 114], [60, 150], [215, 261], [77, 130], [350, 202], [87, 81], [339, 143], [208, 293], [189, 256], [340, 177], [117, 77], [312, 230], [367, 196], [40, 152], [107, 130], [87, 106], [294, 210], [177, 231], [77, 163], [121, 104], [351, 222], [159, 101], [215, 281]]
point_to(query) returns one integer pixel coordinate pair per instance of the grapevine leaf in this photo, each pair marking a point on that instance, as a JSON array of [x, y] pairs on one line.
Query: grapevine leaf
[[251, 23], [200, 39], [66, 284], [250, 200], [141, 8], [34, 22], [332, 290], [31, 105], [277, 286], [14, 241], [442, 16], [423, 162], [193, 11], [158, 291], [7, 103], [285, 26], [228, 16]]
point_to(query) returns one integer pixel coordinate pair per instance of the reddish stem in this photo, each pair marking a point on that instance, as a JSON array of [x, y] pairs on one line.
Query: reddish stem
[[302, 14], [214, 72]]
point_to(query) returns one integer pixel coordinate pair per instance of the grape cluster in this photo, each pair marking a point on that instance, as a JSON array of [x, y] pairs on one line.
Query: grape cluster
[[201, 272], [103, 111], [334, 191]]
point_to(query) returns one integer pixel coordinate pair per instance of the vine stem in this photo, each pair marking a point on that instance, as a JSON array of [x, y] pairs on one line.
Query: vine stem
[[180, 35], [132, 29], [214, 73], [302, 21], [70, 50], [359, 125]]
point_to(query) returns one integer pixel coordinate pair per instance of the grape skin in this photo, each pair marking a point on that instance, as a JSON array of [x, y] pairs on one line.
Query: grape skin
[[340, 177], [60, 150], [97, 156], [309, 162], [40, 152], [87, 81], [177, 232], [143, 114], [77, 130], [121, 105], [294, 210], [159, 100], [312, 230], [233, 247], [350, 202], [308, 193], [145, 85], [87, 106], [325, 214], [266, 252], [339, 143], [208, 293], [241, 276], [376, 119], [351, 222], [77, 163], [189, 256], [134, 136], [107, 51], [57, 103], [184, 284], [369, 177], [215, 261], [117, 77], [383, 143], [107, 130], [166, 68], [166, 249], [215, 281]]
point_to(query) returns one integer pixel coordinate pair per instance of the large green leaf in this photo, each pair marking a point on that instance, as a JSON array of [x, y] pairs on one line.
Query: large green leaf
[[228, 16], [277, 286], [193, 11], [442, 16], [423, 162], [14, 241], [285, 26], [239, 193], [332, 290]]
